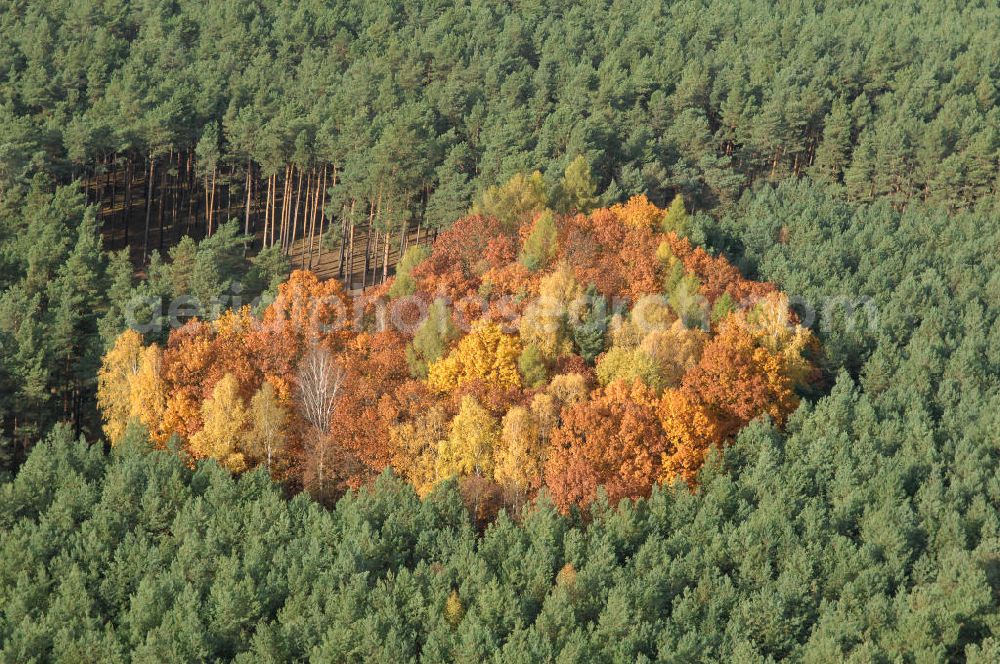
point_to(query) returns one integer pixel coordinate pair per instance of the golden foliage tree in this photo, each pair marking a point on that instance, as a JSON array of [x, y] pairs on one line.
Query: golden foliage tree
[[569, 388], [471, 443], [545, 411], [486, 354], [674, 351], [638, 212], [775, 327], [629, 364], [415, 445], [691, 429], [147, 394], [224, 429], [114, 380], [546, 321], [520, 455], [454, 611], [269, 421]]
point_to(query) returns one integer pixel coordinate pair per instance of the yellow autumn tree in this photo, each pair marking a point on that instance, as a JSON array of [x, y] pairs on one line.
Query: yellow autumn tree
[[567, 576], [773, 325], [415, 446], [268, 419], [651, 313], [624, 332], [638, 212], [454, 611], [545, 411], [674, 351], [486, 354], [519, 457], [147, 394], [691, 430], [471, 443], [118, 366], [568, 388], [628, 365], [546, 321], [224, 430]]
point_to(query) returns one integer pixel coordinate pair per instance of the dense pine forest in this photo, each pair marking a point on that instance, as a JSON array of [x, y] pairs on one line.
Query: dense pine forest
[[534, 331]]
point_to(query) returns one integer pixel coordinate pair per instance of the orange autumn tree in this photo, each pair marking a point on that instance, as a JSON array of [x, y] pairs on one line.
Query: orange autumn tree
[[715, 274], [614, 440], [740, 380], [308, 310], [371, 399], [736, 380], [239, 348], [691, 428], [460, 258], [187, 368], [619, 260]]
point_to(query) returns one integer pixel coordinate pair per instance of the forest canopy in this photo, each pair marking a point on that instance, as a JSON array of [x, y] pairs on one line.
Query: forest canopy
[[416, 108]]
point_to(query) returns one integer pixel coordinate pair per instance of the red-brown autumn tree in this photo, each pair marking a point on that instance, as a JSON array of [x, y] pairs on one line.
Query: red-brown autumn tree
[[739, 380], [613, 439]]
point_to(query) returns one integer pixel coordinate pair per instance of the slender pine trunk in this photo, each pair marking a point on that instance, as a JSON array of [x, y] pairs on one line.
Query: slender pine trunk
[[322, 212], [114, 189], [246, 216], [189, 187], [229, 193], [129, 173], [385, 258], [350, 258], [315, 213], [173, 197], [368, 246], [274, 206], [285, 211], [295, 213], [161, 200], [149, 208]]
